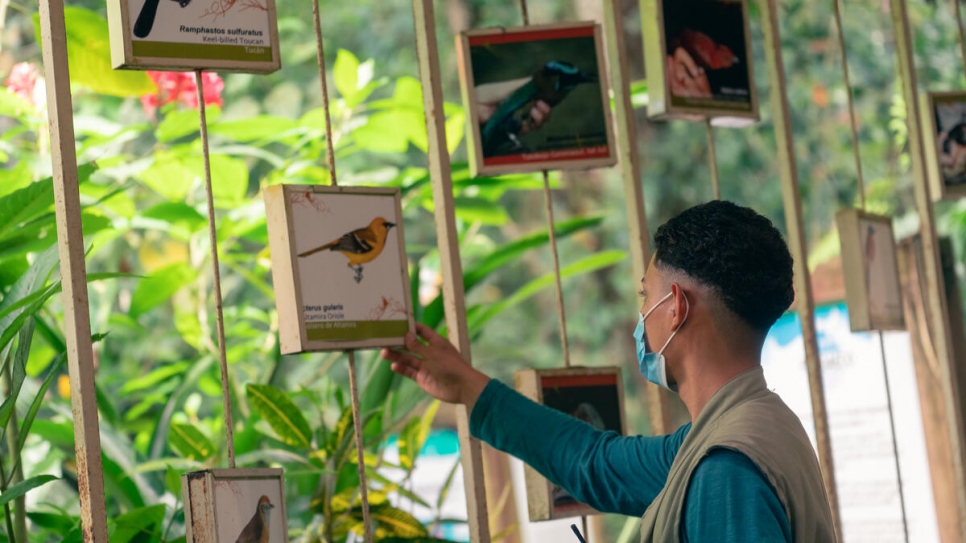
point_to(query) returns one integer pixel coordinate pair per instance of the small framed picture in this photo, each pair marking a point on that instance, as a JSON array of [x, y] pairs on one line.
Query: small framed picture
[[181, 35], [944, 136], [339, 267], [537, 98], [594, 395], [234, 505], [698, 58], [872, 290]]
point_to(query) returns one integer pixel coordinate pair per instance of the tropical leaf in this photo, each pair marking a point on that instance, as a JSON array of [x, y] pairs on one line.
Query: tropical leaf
[[158, 288], [38, 400], [190, 442], [396, 522], [18, 373], [414, 435], [21, 488], [281, 414]]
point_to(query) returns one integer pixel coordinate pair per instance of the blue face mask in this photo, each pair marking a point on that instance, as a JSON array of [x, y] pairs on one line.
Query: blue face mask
[[653, 366]]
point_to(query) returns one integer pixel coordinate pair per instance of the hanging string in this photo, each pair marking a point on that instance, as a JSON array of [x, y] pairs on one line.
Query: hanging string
[[353, 378], [713, 159], [895, 444], [962, 31], [213, 238], [561, 313], [853, 123], [525, 12]]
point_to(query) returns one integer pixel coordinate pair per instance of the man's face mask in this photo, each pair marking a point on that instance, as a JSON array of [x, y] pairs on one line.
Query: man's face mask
[[653, 366]]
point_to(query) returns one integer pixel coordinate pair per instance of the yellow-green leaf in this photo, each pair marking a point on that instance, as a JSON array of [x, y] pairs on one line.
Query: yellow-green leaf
[[282, 415], [190, 442]]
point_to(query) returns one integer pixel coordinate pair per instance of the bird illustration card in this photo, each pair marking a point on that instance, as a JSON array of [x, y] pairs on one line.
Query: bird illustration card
[[869, 264], [944, 136], [537, 98], [593, 395], [339, 267], [235, 506], [699, 63], [223, 35]]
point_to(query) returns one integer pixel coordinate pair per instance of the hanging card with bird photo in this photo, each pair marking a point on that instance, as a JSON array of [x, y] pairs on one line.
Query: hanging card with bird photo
[[537, 98], [944, 136], [593, 395], [872, 288], [339, 267], [698, 60], [235, 506], [224, 35]]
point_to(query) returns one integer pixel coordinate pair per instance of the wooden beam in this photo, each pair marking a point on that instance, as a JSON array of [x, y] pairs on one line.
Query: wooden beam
[[454, 303], [791, 195], [73, 272], [935, 290], [630, 169]]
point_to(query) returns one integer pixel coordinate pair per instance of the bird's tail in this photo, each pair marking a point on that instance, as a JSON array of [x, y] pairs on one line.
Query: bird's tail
[[318, 249]]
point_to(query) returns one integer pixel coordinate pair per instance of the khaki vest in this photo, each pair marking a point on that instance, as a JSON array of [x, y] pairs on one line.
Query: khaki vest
[[745, 416]]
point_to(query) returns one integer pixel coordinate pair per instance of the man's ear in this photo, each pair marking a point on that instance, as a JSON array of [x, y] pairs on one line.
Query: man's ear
[[680, 306]]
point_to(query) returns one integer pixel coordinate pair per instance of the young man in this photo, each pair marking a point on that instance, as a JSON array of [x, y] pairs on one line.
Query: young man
[[743, 470]]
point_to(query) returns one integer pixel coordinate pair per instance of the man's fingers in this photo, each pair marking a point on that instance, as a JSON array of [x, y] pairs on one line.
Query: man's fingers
[[432, 337], [394, 355], [404, 370]]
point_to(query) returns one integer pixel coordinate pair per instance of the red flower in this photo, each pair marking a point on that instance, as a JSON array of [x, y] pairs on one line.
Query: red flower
[[181, 87], [25, 81]]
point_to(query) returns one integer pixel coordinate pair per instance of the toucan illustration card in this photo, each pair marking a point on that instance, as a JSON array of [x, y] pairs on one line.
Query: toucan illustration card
[[593, 395], [536, 98], [339, 267], [698, 58], [224, 35], [235, 505]]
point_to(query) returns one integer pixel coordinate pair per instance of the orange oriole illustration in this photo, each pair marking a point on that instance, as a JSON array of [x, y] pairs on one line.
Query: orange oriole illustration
[[360, 246]]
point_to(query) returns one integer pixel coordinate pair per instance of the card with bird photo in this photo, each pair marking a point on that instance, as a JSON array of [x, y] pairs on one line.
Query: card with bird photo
[[698, 59], [223, 35], [235, 506], [944, 136], [339, 267], [870, 266], [593, 395], [536, 98]]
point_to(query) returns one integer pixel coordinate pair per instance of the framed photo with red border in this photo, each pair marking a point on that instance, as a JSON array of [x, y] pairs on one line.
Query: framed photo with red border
[[594, 395], [536, 98]]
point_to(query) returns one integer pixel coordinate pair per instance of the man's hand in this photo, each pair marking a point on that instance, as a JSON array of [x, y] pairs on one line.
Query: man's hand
[[437, 367]]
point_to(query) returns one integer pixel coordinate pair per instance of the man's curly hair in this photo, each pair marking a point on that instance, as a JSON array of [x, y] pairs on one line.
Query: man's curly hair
[[736, 252]]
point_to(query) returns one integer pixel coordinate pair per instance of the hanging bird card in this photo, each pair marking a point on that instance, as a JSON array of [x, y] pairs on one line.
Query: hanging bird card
[[872, 290], [234, 505], [698, 59], [944, 135], [223, 35], [593, 395], [537, 98], [339, 267]]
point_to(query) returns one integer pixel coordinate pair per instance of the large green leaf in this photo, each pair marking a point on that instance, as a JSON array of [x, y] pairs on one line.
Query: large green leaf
[[396, 522], [156, 289], [345, 71], [586, 265], [173, 174], [259, 127], [32, 201], [23, 487], [18, 373], [89, 56], [140, 524], [282, 415], [190, 442], [38, 400]]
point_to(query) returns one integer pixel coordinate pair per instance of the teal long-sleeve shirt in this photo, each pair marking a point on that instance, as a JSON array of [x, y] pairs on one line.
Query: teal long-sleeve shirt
[[728, 500]]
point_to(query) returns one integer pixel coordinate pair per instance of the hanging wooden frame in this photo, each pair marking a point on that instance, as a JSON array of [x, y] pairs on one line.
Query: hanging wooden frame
[[566, 69], [339, 267], [699, 61], [234, 505], [871, 271], [182, 35], [944, 139], [595, 395]]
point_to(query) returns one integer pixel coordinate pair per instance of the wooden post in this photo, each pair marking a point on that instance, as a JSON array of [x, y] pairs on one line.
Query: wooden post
[[449, 255], [73, 271], [796, 240], [630, 169], [935, 290]]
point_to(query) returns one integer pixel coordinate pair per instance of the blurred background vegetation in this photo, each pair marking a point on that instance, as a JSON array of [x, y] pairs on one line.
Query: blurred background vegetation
[[158, 381]]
